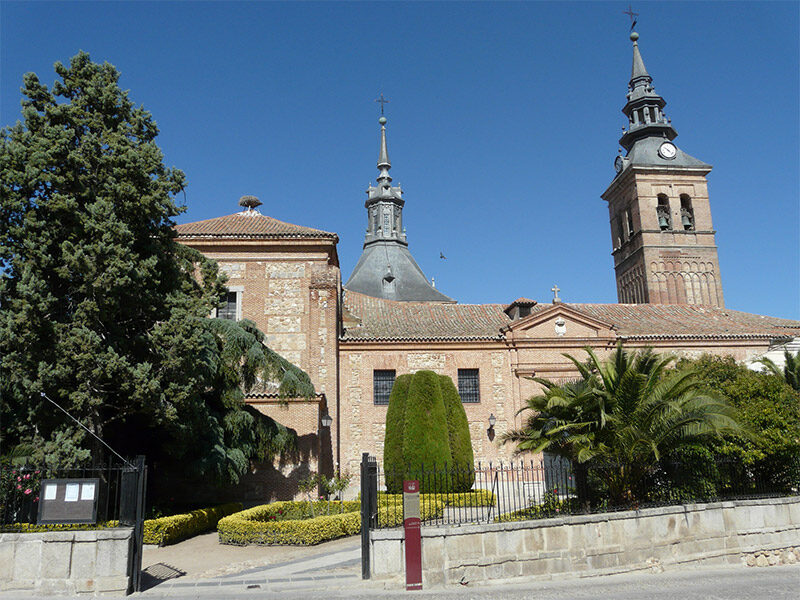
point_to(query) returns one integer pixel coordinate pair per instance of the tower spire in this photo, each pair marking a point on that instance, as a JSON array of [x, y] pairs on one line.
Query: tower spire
[[637, 69], [645, 108], [386, 268], [383, 158]]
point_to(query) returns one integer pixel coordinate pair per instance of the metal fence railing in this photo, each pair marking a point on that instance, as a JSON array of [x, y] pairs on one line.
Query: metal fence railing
[[555, 487], [20, 489]]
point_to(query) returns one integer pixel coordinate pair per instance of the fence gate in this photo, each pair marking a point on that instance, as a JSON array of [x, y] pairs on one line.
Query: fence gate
[[131, 513], [369, 507]]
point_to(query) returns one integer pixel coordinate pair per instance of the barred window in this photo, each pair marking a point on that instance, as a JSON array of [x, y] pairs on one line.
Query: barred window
[[469, 385], [382, 380], [228, 306]]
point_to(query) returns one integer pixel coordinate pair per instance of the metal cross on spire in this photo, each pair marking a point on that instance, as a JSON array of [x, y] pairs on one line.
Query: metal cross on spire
[[632, 15], [383, 101]]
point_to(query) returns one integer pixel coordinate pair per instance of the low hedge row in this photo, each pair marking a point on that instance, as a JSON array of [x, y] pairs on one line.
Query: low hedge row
[[173, 529], [290, 509], [34, 528], [266, 524], [391, 515], [473, 498]]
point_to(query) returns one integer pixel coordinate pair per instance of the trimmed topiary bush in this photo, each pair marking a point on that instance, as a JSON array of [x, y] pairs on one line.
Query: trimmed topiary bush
[[463, 460], [173, 529], [393, 462], [272, 524], [425, 436]]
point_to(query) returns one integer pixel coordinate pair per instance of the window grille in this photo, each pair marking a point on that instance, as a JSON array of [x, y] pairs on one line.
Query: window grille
[[227, 307], [469, 385], [382, 380]]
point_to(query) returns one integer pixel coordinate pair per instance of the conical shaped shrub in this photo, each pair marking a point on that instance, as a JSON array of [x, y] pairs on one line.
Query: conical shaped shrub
[[393, 462], [463, 460], [426, 444]]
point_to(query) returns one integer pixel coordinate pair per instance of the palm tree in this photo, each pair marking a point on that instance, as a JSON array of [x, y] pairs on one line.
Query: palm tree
[[791, 369], [622, 416]]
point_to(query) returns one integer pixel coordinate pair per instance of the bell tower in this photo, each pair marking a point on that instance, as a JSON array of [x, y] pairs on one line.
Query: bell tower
[[662, 237]]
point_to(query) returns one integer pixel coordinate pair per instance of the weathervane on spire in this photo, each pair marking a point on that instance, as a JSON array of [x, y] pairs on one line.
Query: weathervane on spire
[[383, 101], [632, 15]]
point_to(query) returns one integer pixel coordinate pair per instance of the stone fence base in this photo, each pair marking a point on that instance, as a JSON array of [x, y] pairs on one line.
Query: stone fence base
[[66, 562], [716, 533]]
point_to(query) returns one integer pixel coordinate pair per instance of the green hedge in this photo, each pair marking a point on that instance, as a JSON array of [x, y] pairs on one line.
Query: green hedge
[[34, 528], [266, 524], [474, 498], [391, 515], [393, 461], [425, 435], [173, 529], [463, 459]]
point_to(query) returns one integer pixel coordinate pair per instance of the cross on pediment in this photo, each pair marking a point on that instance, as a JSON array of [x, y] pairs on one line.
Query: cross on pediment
[[555, 289]]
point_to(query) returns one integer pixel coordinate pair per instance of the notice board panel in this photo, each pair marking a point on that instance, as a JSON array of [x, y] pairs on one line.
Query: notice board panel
[[69, 500]]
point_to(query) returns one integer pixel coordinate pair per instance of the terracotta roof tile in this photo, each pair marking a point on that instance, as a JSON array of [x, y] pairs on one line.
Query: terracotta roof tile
[[378, 319], [382, 319], [248, 224], [677, 320]]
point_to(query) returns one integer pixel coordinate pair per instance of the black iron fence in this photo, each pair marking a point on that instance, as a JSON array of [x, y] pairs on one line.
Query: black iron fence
[[555, 487], [120, 500], [20, 492]]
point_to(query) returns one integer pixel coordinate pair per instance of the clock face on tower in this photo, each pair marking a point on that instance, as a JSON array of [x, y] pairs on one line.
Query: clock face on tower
[[667, 150]]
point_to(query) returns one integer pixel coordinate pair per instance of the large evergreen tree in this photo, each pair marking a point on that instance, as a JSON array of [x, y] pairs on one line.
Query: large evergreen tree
[[101, 309]]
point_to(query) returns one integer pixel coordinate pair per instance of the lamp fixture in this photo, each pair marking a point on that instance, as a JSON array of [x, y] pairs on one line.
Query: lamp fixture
[[326, 420], [492, 421]]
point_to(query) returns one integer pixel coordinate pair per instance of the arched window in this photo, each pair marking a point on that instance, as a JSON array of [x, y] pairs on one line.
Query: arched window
[[687, 214], [662, 212]]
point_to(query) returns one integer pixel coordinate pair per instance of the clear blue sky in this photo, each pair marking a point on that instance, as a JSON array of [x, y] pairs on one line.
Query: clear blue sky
[[503, 123]]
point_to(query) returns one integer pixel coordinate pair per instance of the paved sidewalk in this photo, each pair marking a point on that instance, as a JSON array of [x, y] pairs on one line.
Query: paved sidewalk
[[333, 565]]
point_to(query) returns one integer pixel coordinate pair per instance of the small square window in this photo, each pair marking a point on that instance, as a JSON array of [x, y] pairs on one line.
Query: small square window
[[383, 380], [469, 385]]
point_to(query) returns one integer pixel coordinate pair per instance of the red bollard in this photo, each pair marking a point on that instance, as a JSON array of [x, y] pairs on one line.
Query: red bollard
[[413, 543]]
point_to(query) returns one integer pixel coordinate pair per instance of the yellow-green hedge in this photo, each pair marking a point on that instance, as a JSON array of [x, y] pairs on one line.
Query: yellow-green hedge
[[254, 526], [34, 528], [473, 498], [391, 515], [173, 529]]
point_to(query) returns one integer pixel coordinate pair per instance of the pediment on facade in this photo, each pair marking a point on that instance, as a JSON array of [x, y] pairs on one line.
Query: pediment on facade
[[559, 322]]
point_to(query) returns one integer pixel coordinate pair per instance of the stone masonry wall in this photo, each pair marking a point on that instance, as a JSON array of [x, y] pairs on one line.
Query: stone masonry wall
[[364, 422], [737, 532], [289, 289], [66, 562], [504, 385]]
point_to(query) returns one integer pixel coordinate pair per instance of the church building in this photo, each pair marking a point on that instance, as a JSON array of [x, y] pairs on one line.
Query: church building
[[353, 339]]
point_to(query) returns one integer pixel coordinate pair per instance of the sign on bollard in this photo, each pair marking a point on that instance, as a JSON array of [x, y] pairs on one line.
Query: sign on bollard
[[411, 525]]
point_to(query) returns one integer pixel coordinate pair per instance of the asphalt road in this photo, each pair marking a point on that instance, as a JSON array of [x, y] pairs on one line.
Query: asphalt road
[[729, 583], [691, 583]]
